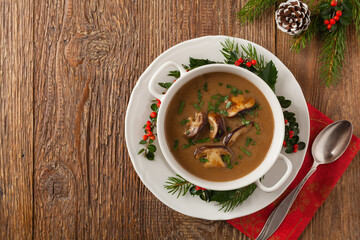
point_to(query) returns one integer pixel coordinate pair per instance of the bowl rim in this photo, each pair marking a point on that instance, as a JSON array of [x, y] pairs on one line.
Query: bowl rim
[[275, 146]]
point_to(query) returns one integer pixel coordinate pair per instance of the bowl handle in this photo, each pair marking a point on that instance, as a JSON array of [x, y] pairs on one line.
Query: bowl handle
[[282, 180], [154, 81]]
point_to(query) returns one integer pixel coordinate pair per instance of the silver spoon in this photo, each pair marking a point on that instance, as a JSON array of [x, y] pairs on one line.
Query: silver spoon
[[328, 146]]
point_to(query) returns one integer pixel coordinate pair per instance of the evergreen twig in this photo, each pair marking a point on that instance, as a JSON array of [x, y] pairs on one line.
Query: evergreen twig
[[177, 184], [332, 56], [253, 9], [301, 41], [238, 198]]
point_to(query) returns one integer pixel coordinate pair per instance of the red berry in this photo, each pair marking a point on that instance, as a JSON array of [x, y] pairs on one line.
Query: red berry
[[329, 26], [296, 146], [286, 121], [158, 104], [248, 64], [158, 99], [253, 62], [175, 80], [148, 123], [326, 22], [338, 13], [336, 18], [295, 150], [284, 143], [237, 63], [152, 137], [333, 3], [332, 21], [153, 114], [148, 128], [291, 134], [149, 133], [197, 188], [202, 188], [145, 137], [241, 60]]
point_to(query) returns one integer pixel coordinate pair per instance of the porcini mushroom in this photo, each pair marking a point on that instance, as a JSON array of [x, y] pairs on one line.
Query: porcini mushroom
[[213, 154], [194, 126], [217, 125], [231, 137], [239, 104]]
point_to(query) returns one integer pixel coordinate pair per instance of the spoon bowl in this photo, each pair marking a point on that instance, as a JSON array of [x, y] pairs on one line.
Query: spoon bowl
[[332, 142]]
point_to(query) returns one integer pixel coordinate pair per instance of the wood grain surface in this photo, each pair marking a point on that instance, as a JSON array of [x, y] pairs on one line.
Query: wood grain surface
[[67, 69]]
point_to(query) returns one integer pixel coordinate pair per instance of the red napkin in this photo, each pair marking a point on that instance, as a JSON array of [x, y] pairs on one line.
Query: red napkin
[[311, 196]]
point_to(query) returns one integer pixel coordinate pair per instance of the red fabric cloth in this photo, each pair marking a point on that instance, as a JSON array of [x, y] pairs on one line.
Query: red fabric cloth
[[311, 196]]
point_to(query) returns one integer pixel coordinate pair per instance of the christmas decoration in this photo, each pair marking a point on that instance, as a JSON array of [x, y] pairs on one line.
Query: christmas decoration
[[293, 17], [329, 20]]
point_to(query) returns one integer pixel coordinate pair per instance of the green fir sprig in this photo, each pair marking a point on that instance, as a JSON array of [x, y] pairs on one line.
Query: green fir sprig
[[330, 68], [332, 56], [254, 9], [227, 200]]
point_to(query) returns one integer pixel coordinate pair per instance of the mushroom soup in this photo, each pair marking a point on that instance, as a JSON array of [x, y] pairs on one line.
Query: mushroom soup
[[219, 126]]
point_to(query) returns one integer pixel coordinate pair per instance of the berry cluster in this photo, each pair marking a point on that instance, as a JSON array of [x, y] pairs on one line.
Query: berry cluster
[[245, 62], [330, 22], [149, 126]]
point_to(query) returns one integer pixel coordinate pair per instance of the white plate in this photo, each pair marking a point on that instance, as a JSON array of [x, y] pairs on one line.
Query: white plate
[[154, 174]]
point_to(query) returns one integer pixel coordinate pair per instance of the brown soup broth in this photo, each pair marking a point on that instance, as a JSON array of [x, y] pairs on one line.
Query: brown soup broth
[[219, 83]]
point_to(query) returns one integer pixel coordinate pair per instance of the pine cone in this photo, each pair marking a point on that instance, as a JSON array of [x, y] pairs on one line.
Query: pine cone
[[293, 17]]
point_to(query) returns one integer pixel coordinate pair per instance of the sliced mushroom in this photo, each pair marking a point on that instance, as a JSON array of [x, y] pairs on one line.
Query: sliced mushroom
[[217, 125], [213, 154], [231, 137], [194, 126], [239, 104]]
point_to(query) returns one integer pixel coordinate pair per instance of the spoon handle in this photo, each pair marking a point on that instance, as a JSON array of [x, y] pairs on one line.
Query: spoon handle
[[279, 214]]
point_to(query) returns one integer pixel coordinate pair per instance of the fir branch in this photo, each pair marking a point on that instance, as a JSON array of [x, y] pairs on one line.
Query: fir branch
[[230, 51], [234, 198], [253, 9], [356, 16], [177, 184], [301, 41], [250, 52], [332, 56]]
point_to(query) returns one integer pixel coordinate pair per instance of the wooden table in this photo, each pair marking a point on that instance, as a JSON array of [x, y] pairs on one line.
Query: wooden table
[[67, 70]]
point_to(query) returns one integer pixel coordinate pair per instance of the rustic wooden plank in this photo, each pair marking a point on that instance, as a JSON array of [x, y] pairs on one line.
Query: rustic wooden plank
[[340, 210], [16, 119]]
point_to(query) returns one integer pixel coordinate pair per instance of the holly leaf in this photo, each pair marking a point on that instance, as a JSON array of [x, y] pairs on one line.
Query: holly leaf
[[269, 74], [324, 5], [166, 85], [345, 20], [175, 73], [196, 62]]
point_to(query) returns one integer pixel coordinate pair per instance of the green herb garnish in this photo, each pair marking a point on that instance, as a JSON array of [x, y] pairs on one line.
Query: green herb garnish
[[248, 141], [246, 151], [256, 125], [184, 121], [176, 144], [197, 106], [203, 160], [181, 107], [203, 140], [205, 87], [199, 94]]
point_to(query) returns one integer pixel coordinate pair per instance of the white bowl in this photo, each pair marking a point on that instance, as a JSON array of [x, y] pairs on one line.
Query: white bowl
[[273, 153]]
